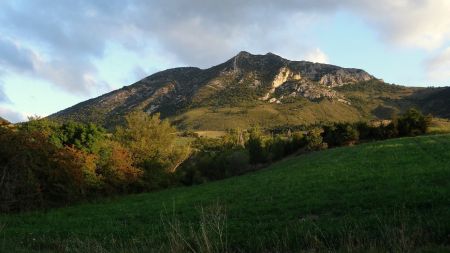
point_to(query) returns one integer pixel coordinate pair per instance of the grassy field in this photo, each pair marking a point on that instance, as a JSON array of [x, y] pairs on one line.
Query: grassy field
[[265, 115], [439, 126], [211, 134], [390, 196]]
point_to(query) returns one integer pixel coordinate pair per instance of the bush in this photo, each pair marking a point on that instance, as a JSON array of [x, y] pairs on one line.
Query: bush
[[340, 134], [207, 165], [232, 162], [189, 133], [115, 165], [365, 131], [35, 173], [413, 123], [255, 147], [277, 148], [81, 136], [314, 140]]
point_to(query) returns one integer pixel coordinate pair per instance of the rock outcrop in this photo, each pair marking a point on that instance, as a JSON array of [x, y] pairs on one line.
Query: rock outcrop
[[341, 77]]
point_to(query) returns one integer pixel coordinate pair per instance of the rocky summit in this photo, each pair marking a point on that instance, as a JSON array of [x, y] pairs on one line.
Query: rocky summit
[[255, 89]]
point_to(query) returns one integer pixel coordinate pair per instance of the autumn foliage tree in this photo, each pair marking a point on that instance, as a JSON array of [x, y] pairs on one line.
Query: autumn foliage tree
[[152, 143], [116, 167], [35, 173]]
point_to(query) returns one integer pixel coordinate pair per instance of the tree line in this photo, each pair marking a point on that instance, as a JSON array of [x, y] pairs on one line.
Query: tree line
[[46, 164]]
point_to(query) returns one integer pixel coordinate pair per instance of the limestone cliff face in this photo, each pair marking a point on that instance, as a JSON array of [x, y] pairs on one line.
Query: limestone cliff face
[[307, 89], [245, 77], [284, 75], [341, 77]]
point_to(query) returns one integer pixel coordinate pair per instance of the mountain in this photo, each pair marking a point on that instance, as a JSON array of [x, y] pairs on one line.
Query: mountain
[[258, 89]]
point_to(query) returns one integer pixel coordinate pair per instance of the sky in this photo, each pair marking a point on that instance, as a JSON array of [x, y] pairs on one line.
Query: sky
[[54, 54]]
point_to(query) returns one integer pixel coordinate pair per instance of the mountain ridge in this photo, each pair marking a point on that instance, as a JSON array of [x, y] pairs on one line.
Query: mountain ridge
[[259, 84]]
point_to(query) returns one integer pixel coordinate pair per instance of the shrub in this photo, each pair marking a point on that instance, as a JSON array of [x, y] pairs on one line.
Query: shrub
[[314, 140], [189, 133], [84, 137], [388, 131], [340, 134], [255, 146], [234, 138], [231, 163], [413, 123], [36, 173], [116, 168], [364, 130], [295, 142], [276, 148]]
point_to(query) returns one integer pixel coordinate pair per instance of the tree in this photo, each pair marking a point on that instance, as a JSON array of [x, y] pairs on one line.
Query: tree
[[413, 123], [84, 137], [152, 143], [147, 137], [115, 165], [340, 134], [314, 139], [255, 146], [277, 148], [234, 138], [36, 173]]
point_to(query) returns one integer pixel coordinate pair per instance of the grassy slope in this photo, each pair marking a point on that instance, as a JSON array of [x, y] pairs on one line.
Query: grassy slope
[[391, 195], [369, 100], [439, 126], [266, 115]]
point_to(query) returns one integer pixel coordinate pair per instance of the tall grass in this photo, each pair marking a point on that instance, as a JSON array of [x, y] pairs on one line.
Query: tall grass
[[401, 232], [207, 235]]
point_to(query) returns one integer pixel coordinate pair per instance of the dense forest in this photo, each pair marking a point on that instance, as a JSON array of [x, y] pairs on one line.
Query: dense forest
[[46, 164]]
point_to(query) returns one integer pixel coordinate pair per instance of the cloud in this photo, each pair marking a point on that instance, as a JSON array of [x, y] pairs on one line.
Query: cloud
[[416, 23], [14, 56], [3, 97], [198, 31], [438, 67], [56, 42], [317, 56], [59, 41], [12, 115], [73, 75]]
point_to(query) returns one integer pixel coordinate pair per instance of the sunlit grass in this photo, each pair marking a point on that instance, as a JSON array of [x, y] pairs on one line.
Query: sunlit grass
[[439, 126]]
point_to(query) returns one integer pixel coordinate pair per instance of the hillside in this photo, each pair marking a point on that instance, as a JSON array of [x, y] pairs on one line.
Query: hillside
[[389, 196], [3, 121], [258, 89]]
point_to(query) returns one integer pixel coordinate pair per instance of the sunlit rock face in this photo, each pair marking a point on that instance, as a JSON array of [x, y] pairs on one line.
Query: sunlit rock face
[[341, 77]]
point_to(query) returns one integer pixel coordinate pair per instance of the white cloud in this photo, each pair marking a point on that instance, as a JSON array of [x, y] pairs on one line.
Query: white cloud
[[12, 115], [71, 74], [316, 55], [3, 97], [438, 67], [417, 23]]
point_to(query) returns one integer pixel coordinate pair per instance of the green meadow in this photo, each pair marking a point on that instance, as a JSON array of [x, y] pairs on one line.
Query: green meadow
[[388, 196]]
